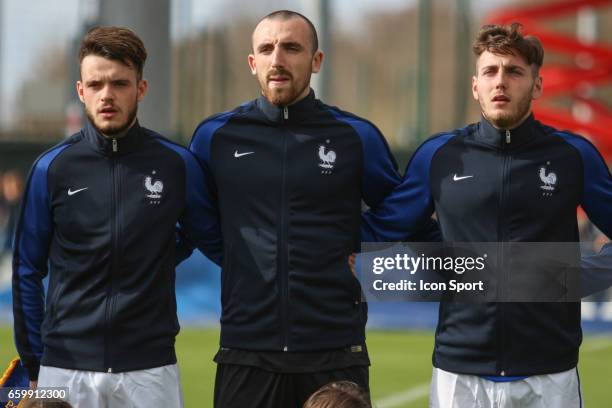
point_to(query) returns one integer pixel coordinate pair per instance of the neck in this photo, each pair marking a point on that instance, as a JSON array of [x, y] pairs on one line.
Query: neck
[[510, 126], [121, 134], [301, 96]]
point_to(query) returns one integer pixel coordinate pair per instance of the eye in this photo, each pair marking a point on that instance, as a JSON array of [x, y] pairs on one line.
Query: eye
[[265, 49], [293, 47]]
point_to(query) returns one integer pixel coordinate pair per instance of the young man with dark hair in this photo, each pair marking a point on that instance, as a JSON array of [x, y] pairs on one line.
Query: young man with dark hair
[[507, 178], [99, 215], [289, 175]]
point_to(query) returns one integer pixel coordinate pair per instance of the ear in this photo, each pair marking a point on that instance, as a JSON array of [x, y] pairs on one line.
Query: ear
[[475, 87], [537, 88], [317, 60], [252, 66], [79, 89], [143, 87]]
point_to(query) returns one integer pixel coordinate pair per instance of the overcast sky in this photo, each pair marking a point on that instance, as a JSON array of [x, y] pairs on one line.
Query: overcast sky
[[29, 27]]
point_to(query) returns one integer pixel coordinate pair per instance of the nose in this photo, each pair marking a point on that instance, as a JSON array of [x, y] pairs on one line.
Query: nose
[[106, 94], [500, 80], [278, 59]]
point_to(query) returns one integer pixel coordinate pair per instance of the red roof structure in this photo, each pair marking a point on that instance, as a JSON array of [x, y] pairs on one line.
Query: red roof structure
[[591, 67]]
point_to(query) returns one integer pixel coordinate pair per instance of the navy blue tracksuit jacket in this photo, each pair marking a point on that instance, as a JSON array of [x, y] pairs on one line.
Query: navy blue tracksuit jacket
[[289, 183], [99, 216], [494, 185]]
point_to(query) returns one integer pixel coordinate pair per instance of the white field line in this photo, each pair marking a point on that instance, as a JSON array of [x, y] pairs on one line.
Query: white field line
[[422, 390], [404, 397]]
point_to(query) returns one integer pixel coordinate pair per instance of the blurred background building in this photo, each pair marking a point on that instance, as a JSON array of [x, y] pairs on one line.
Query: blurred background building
[[406, 65]]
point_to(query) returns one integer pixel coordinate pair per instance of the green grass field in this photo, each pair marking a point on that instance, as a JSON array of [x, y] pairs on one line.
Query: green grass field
[[399, 376]]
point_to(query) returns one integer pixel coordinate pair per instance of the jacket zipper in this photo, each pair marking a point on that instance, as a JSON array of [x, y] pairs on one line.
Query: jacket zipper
[[502, 238], [283, 243], [114, 230]]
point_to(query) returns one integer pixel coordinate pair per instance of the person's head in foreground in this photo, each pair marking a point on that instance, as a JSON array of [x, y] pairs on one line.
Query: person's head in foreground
[[285, 54], [340, 394], [46, 403], [507, 77], [111, 85]]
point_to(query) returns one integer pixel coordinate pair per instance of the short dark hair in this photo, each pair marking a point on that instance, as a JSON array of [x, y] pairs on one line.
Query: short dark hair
[[115, 43], [506, 40], [288, 14], [340, 394]]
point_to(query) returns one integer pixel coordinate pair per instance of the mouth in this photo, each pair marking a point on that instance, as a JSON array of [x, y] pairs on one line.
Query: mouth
[[278, 78], [107, 112], [501, 99]]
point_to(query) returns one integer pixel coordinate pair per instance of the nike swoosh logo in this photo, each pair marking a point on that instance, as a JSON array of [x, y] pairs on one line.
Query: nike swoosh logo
[[455, 178], [70, 192], [237, 155]]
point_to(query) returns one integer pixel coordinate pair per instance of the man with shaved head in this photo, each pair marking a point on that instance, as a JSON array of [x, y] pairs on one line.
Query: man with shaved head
[[289, 173], [286, 81]]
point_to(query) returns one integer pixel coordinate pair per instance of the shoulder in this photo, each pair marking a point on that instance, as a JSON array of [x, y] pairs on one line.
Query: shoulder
[[436, 141], [45, 160], [581, 144], [173, 148], [366, 129], [211, 124]]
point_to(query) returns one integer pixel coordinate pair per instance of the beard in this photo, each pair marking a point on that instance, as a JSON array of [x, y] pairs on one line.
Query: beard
[[510, 119], [286, 95], [117, 129]]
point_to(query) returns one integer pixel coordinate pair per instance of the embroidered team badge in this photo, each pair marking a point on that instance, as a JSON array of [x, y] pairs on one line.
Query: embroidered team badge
[[327, 159], [549, 181], [154, 189]]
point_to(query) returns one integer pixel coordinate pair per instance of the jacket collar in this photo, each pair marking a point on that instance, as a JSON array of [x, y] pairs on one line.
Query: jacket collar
[[114, 146], [506, 138], [288, 114]]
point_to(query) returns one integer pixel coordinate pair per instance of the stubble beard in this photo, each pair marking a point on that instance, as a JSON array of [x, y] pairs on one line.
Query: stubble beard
[[510, 120], [284, 96], [114, 130]]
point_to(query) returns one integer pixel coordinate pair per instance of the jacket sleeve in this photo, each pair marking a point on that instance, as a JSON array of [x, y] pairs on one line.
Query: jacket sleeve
[[597, 195], [198, 225], [597, 186], [380, 175], [405, 214], [200, 147], [597, 203], [30, 256], [596, 271], [183, 247]]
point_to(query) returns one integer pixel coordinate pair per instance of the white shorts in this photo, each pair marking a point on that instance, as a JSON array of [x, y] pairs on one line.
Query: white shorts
[[154, 387], [559, 390]]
